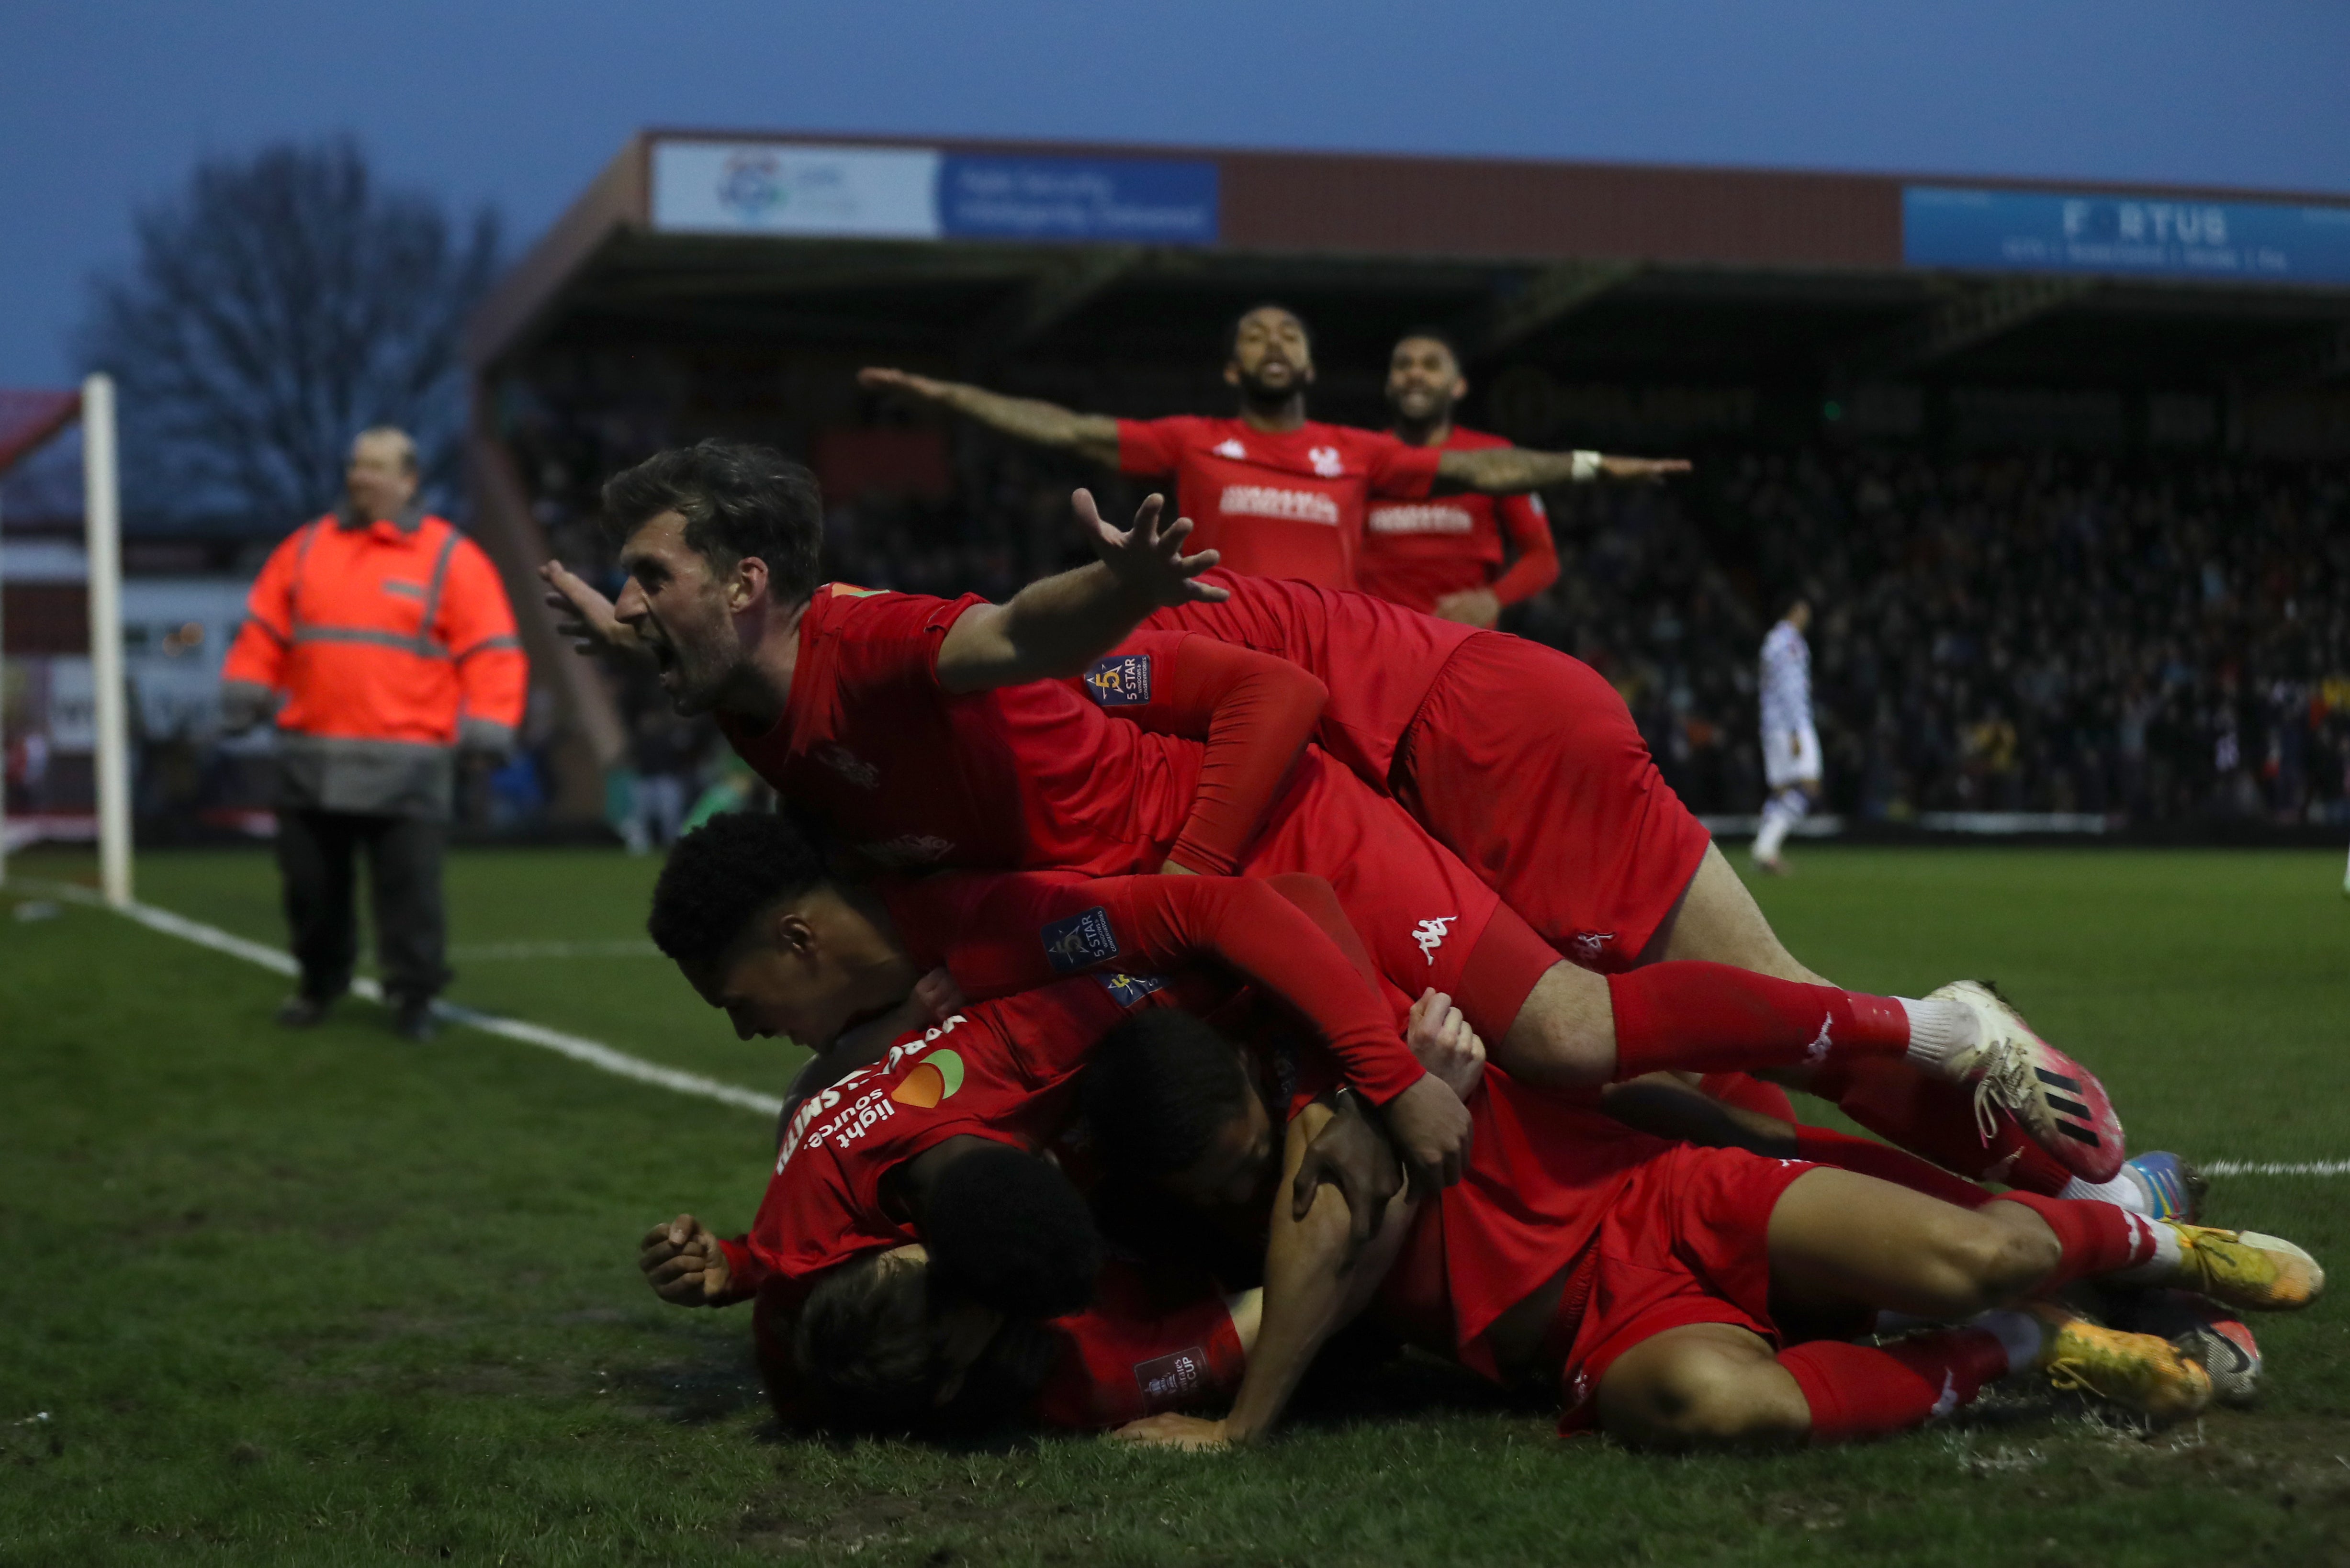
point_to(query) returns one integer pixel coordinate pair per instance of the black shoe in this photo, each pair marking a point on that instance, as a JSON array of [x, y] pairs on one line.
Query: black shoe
[[299, 1011], [413, 1020]]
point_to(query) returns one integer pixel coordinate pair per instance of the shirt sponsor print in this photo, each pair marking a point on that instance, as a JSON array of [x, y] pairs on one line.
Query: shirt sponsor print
[[1081, 940], [1272, 501], [1121, 681], [1434, 518]]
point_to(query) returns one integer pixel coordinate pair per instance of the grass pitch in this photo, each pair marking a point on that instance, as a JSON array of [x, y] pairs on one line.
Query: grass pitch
[[326, 1298]]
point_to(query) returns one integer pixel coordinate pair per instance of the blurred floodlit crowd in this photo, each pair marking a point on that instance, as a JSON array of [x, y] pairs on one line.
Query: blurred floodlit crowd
[[2165, 641]]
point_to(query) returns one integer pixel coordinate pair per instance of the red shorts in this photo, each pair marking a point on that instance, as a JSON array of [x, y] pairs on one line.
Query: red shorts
[[1426, 918], [1686, 1241], [1526, 764]]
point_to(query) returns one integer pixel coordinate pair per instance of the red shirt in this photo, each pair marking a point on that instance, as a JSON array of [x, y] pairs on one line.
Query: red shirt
[[1004, 1070], [915, 775], [999, 933], [1278, 504], [1416, 552], [1378, 659]]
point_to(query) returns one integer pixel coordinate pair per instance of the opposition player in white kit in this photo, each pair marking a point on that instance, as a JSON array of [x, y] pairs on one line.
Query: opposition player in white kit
[[1790, 746]]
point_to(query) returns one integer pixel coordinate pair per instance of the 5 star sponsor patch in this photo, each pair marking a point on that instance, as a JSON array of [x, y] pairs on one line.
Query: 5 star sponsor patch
[[1121, 681], [1081, 940]]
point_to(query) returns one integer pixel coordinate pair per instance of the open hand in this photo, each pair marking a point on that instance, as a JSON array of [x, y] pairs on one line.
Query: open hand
[[685, 1265], [1148, 560], [586, 615], [1189, 1433]]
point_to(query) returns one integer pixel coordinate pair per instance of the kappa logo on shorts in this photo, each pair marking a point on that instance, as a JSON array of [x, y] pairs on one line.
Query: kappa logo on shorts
[[1080, 940], [1431, 934], [1120, 680], [1590, 946], [1125, 990]]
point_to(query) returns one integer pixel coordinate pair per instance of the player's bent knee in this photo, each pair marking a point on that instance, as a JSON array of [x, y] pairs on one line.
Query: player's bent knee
[[1694, 1396], [1564, 1034]]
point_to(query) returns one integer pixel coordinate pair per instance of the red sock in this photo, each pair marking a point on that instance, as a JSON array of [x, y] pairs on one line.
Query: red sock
[[1901, 1102], [1688, 1016], [1897, 1165], [1748, 1095], [1860, 1391], [2098, 1238]]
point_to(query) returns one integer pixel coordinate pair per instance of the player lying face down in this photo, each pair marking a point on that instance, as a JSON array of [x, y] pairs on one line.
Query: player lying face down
[[1654, 1314]]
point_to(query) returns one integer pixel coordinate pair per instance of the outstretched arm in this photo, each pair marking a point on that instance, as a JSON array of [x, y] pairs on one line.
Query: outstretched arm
[[1030, 420], [1058, 627], [1509, 470]]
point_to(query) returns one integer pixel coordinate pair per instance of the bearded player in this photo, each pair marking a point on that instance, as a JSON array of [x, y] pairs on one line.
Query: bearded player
[[924, 745], [1443, 555], [1275, 493]]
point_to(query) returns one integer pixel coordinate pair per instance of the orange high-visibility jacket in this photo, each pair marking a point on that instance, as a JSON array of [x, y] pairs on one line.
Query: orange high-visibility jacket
[[391, 640]]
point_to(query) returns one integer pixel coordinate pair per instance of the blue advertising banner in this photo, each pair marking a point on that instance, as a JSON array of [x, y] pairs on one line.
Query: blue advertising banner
[[1146, 201], [2032, 230]]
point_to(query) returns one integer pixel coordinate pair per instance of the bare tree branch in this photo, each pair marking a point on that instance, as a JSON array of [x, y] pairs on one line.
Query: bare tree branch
[[281, 304]]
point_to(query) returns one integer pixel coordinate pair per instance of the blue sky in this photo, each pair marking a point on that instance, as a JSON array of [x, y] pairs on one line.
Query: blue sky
[[102, 106]]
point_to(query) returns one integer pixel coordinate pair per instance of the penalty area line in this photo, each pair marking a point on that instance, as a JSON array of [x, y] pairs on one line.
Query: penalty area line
[[576, 1047]]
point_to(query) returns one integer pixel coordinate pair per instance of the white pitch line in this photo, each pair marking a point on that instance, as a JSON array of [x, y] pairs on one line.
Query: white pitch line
[[604, 1058], [577, 1047], [617, 947]]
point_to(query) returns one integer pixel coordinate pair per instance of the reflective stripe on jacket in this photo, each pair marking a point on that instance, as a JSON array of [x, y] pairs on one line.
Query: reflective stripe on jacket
[[385, 638]]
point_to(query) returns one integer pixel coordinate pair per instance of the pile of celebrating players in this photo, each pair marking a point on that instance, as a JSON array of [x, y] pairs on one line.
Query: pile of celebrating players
[[1203, 963]]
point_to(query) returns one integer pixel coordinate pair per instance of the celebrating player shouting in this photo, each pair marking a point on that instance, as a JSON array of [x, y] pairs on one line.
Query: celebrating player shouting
[[1443, 555], [1278, 495], [881, 713]]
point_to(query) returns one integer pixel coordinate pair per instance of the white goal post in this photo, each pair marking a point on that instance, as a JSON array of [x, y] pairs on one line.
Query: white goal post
[[102, 543]]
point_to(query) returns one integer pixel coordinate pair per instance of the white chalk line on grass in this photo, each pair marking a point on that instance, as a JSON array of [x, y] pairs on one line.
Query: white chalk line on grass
[[617, 947], [577, 1047], [603, 1058]]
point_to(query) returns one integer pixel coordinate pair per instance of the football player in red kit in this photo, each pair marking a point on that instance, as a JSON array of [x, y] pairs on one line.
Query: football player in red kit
[[1653, 1283], [1443, 555], [1526, 764], [1275, 493]]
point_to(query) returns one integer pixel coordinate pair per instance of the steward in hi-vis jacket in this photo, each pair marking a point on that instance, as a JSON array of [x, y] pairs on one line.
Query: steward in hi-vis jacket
[[390, 637]]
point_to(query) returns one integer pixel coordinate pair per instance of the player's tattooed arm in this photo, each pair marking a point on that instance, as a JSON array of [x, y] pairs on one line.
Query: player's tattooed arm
[[1511, 470], [686, 1266], [1031, 420], [1314, 1284], [1055, 628]]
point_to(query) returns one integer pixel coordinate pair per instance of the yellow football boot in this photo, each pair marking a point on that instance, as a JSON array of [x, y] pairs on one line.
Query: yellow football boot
[[2137, 1371], [2245, 1269]]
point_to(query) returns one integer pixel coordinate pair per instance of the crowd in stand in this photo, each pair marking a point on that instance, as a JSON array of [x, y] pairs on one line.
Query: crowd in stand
[[2165, 641]]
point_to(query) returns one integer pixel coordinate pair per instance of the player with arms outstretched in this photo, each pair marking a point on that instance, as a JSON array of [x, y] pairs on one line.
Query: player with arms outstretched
[[1275, 493]]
